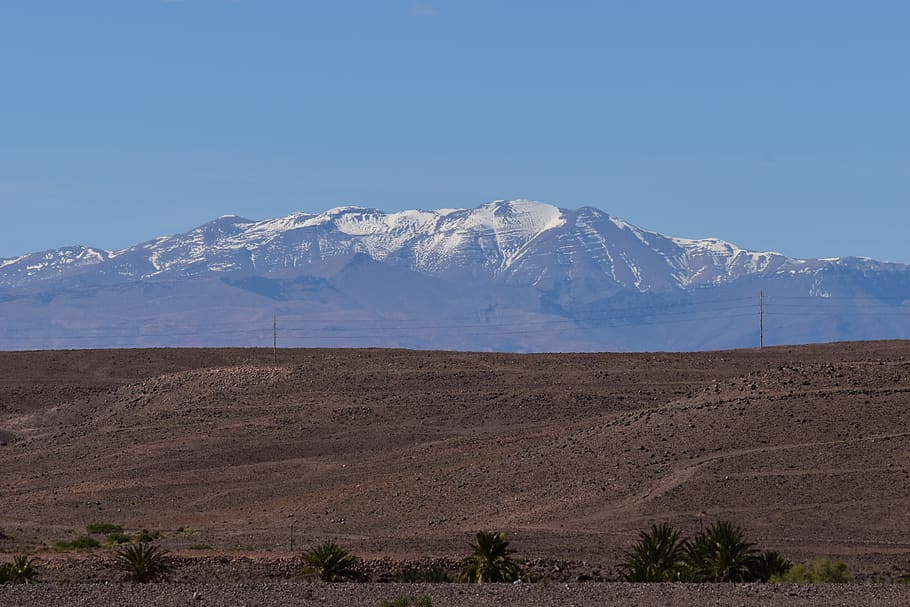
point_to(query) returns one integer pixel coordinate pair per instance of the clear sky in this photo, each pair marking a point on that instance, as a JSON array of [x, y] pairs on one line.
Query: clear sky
[[778, 125]]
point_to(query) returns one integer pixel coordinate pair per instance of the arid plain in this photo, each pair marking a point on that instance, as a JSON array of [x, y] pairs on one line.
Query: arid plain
[[241, 462]]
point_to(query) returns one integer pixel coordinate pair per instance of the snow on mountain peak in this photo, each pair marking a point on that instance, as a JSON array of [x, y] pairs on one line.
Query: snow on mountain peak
[[11, 261], [521, 241]]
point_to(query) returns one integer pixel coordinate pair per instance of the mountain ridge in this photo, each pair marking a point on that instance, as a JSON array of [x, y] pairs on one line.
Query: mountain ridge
[[431, 238], [588, 279]]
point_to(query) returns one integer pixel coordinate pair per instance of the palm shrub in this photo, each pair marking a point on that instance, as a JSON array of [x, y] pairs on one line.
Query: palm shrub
[[490, 560], [658, 556], [719, 554], [143, 562], [329, 561], [22, 570], [767, 565]]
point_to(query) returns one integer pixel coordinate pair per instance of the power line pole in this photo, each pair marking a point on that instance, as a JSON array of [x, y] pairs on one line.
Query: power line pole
[[275, 338], [761, 319]]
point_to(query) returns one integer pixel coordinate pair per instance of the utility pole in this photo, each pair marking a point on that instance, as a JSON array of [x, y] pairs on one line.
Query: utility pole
[[761, 319], [275, 338]]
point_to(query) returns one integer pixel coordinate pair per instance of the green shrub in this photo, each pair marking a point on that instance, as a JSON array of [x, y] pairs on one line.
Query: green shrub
[[329, 561], [767, 565], [658, 556], [404, 601], [143, 562], [433, 575], [103, 528], [720, 553], [118, 538], [490, 560], [22, 570], [83, 542], [199, 547], [821, 571]]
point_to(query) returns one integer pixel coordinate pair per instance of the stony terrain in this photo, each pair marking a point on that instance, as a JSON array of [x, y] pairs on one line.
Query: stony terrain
[[457, 595], [241, 462]]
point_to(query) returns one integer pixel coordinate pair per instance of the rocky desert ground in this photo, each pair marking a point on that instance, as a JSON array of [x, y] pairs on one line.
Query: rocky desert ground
[[241, 462]]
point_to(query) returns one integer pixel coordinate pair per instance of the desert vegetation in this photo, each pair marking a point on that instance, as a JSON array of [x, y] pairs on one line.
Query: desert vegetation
[[329, 562], [424, 575], [22, 570], [719, 553], [83, 542], [102, 528], [113, 535], [490, 560], [820, 571], [143, 562], [409, 601]]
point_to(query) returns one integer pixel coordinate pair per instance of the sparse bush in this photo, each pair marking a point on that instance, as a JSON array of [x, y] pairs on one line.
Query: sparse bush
[[103, 528], [22, 570], [531, 577], [199, 547], [118, 538], [658, 556], [83, 542], [404, 601], [821, 571], [433, 575], [145, 536], [329, 561], [490, 560], [143, 562]]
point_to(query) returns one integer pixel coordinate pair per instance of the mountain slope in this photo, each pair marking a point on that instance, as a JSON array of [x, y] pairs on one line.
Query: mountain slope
[[526, 275], [510, 239]]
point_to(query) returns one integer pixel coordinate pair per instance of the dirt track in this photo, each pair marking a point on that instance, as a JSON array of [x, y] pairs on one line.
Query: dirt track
[[405, 454]]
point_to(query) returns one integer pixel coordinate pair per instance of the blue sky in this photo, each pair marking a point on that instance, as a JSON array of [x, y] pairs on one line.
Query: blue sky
[[777, 125]]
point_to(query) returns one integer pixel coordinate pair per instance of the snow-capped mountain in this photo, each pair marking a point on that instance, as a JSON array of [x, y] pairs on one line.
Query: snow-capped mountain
[[504, 262], [519, 240]]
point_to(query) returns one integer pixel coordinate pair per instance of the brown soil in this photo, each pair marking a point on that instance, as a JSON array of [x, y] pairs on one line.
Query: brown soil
[[406, 454]]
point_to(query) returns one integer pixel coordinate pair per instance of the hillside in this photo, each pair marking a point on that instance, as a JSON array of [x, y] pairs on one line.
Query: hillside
[[406, 454]]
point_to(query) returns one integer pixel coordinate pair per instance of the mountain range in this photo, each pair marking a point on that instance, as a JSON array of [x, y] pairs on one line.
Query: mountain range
[[512, 275]]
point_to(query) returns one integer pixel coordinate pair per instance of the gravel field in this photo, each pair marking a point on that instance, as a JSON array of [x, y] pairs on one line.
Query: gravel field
[[455, 595]]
